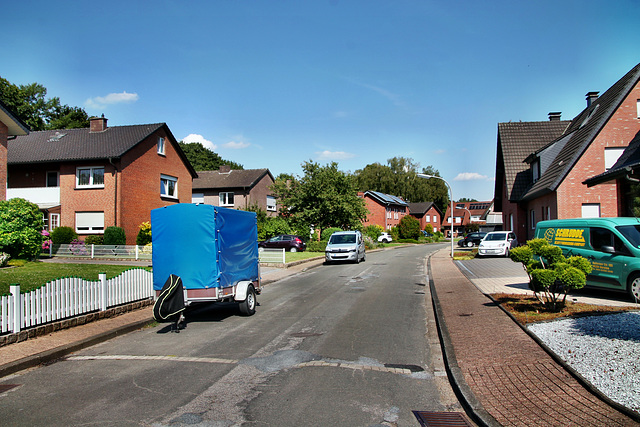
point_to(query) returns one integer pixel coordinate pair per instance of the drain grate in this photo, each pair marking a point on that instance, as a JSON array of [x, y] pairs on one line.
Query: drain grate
[[441, 419], [7, 387]]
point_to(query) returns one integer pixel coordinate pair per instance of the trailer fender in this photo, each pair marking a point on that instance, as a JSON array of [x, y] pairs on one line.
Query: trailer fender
[[241, 290]]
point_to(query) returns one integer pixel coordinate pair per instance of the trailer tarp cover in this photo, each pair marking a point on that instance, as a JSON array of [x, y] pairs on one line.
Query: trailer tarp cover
[[207, 246]]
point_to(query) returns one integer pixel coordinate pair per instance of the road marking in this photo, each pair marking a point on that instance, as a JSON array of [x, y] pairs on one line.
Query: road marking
[[171, 358]]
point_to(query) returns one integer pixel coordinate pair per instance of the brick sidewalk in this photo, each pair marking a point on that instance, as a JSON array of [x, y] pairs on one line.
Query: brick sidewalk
[[513, 379]]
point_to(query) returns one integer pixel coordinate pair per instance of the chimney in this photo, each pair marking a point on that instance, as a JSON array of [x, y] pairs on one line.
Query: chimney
[[591, 98], [555, 116], [97, 124], [224, 169]]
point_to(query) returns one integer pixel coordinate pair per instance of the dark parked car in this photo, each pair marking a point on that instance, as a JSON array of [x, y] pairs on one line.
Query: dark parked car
[[287, 241], [472, 239]]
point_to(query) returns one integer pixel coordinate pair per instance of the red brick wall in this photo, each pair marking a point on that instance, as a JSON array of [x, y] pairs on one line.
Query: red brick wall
[[434, 217], [618, 132], [379, 215], [545, 207], [4, 131], [139, 183], [74, 199]]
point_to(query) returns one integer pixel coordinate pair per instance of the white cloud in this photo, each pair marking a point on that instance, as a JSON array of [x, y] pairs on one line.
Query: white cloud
[[194, 137], [471, 176], [113, 98], [334, 155], [236, 145]]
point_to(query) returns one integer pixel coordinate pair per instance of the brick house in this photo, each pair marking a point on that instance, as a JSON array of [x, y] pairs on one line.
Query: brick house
[[559, 156], [464, 215], [426, 213], [236, 189], [100, 176], [384, 210], [10, 127]]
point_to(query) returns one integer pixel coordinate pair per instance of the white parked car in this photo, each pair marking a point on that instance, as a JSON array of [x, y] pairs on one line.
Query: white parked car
[[498, 243], [385, 238]]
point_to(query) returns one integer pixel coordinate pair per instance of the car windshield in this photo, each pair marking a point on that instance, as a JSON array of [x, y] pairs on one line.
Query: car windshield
[[632, 234], [342, 238], [496, 236]]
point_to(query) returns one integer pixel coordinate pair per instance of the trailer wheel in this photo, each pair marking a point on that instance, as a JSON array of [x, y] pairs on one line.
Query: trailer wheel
[[248, 306]]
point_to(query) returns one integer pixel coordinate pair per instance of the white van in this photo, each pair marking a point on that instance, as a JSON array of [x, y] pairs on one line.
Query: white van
[[345, 246]]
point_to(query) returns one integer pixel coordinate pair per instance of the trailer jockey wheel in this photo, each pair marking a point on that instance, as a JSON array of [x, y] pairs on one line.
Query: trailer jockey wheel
[[248, 306]]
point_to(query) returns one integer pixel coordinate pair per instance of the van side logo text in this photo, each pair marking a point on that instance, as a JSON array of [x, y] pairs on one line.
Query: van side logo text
[[565, 236]]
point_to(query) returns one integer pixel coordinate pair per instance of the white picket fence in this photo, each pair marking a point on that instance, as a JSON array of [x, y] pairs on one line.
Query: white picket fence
[[274, 255], [72, 296], [132, 252]]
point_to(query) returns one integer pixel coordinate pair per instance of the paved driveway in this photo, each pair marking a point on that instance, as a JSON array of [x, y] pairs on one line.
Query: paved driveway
[[501, 275]]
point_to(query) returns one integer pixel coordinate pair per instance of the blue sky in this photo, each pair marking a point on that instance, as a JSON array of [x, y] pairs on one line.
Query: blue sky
[[274, 83]]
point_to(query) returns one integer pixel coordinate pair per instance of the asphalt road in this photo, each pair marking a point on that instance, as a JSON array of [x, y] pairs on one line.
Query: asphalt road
[[341, 344]]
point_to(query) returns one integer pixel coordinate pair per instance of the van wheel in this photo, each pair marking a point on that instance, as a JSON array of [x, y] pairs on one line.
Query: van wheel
[[248, 306], [634, 287]]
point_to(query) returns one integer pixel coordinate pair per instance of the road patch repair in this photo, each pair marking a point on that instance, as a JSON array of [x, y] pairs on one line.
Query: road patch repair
[[279, 360]]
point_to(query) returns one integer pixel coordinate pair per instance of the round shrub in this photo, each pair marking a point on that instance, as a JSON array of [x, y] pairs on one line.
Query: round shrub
[[114, 236], [314, 246], [409, 228], [63, 235], [144, 234], [327, 232], [94, 239], [20, 228]]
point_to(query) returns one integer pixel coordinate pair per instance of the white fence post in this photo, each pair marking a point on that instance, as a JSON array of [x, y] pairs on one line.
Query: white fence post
[[284, 261], [92, 251], [136, 252], [17, 312], [104, 291]]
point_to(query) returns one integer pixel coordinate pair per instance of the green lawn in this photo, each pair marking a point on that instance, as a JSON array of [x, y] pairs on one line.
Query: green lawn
[[297, 256], [35, 274]]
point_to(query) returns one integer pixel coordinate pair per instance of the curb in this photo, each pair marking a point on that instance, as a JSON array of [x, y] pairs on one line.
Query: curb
[[470, 403], [59, 352]]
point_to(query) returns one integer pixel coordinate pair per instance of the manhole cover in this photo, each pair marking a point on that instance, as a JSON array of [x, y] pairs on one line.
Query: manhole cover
[[441, 419], [412, 368]]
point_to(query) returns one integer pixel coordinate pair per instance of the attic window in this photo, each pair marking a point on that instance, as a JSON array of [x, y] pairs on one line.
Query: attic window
[[57, 137], [161, 146], [535, 168]]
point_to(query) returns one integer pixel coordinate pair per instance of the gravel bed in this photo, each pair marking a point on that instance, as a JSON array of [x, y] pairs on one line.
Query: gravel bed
[[605, 350]]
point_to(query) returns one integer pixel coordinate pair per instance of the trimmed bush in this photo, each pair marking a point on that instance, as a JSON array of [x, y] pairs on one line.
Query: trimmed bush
[[63, 235], [314, 246], [144, 234], [94, 239], [20, 228], [114, 236], [327, 232]]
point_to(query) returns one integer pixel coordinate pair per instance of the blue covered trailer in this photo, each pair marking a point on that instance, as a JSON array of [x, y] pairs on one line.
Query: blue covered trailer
[[213, 250]]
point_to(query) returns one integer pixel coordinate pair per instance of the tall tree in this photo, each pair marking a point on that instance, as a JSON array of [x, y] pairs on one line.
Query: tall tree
[[399, 178], [203, 159], [324, 197], [29, 104]]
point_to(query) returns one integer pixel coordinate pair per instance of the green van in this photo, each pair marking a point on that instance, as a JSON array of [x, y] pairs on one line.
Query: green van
[[612, 245]]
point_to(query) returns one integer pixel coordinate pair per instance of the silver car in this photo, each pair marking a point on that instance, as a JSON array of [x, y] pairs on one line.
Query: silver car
[[345, 246]]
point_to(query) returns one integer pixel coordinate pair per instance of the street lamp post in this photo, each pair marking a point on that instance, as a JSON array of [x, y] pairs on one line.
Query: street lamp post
[[425, 176]]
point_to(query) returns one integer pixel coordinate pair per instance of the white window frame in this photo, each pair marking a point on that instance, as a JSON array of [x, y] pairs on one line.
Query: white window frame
[[161, 145], [89, 222], [54, 221], [611, 156], [271, 204], [427, 218], [591, 210], [638, 108], [224, 197], [458, 220], [165, 188], [532, 212], [197, 198], [91, 177]]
